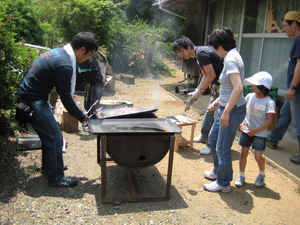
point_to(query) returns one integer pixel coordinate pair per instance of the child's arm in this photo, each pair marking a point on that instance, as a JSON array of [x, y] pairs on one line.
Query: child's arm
[[263, 126]]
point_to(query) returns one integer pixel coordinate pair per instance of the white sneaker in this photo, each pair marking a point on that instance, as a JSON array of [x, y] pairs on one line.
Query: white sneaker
[[205, 151], [210, 175], [214, 187], [260, 180], [85, 127], [240, 181], [199, 139]]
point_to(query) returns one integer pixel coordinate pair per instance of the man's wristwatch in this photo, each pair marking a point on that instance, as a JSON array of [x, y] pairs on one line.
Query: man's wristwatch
[[292, 87]]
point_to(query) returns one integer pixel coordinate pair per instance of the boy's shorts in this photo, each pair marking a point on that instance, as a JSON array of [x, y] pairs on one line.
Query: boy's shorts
[[258, 143]]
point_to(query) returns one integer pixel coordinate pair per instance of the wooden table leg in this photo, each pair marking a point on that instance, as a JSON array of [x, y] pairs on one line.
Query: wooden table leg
[[177, 136], [192, 135]]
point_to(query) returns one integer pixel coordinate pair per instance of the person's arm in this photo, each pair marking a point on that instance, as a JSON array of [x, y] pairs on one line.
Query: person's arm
[[236, 82], [290, 94], [209, 75], [63, 87], [263, 126]]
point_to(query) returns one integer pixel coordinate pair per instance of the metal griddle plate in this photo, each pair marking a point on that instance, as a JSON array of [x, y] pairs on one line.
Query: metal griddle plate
[[140, 113], [133, 126]]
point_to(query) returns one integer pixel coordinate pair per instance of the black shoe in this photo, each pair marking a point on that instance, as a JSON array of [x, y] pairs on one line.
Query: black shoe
[[44, 170], [272, 144], [295, 159], [64, 182]]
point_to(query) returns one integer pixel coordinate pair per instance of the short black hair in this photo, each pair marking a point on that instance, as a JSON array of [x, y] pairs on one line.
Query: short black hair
[[222, 37], [289, 22], [85, 39], [265, 91], [182, 42]]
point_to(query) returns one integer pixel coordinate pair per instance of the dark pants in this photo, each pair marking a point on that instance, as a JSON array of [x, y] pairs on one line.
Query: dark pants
[[93, 92], [51, 136]]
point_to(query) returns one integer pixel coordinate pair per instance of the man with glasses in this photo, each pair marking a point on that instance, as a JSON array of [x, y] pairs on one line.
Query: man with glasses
[[211, 66]]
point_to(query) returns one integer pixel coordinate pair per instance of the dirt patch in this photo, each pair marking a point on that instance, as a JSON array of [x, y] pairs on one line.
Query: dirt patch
[[26, 198]]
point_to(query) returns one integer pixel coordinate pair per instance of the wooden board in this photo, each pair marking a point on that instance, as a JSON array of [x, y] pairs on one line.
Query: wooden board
[[68, 123]]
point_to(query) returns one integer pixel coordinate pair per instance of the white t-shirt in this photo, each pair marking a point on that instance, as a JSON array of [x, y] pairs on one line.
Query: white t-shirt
[[233, 63], [257, 110]]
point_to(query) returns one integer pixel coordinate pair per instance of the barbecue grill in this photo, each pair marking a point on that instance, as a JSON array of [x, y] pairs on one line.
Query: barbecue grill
[[134, 143]]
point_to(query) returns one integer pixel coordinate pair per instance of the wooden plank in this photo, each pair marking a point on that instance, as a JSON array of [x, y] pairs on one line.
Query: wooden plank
[[58, 112], [68, 123]]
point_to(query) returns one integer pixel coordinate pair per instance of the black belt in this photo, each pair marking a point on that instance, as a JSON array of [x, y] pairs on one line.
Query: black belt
[[223, 107]]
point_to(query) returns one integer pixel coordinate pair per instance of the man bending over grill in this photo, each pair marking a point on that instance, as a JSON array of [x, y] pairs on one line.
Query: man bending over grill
[[55, 68], [211, 66]]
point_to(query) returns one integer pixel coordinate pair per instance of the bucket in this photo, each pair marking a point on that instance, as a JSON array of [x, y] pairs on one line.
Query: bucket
[[28, 143]]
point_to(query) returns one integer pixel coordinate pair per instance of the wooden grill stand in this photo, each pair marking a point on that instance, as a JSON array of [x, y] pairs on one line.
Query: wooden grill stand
[[102, 159]]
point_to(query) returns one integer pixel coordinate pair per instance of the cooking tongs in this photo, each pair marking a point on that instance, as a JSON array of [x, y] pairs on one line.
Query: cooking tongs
[[198, 111]]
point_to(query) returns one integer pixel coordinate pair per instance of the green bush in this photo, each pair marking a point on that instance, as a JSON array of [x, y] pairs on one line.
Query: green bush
[[140, 50], [14, 60], [25, 21]]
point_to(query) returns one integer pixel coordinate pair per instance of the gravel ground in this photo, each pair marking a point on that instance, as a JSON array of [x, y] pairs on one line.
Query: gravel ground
[[25, 197]]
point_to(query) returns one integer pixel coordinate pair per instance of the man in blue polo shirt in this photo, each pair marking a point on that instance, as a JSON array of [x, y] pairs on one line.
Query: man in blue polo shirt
[[55, 68], [291, 26]]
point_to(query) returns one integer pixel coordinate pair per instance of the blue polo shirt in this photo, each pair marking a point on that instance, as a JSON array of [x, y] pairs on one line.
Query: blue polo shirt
[[294, 54], [51, 69]]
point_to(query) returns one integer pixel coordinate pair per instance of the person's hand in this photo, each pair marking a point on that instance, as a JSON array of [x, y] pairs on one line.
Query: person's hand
[[241, 127], [188, 103], [195, 95], [251, 133], [213, 106], [290, 94], [225, 119], [85, 119], [187, 107]]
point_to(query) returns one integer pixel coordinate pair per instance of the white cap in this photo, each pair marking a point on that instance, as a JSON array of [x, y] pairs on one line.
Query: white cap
[[261, 78]]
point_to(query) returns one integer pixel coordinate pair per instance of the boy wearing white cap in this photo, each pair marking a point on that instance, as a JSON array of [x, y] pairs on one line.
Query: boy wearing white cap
[[259, 116]]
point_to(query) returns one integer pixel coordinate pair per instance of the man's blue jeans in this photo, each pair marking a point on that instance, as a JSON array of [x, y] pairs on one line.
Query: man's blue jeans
[[208, 119], [51, 137], [285, 118], [221, 139], [295, 108]]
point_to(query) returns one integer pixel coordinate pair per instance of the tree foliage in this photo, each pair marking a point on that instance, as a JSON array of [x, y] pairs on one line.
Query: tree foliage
[[103, 18], [14, 58], [49, 12], [140, 9], [25, 21], [136, 36], [139, 50]]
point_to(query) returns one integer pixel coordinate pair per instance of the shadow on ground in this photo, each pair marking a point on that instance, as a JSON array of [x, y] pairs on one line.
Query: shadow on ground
[[279, 158]]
